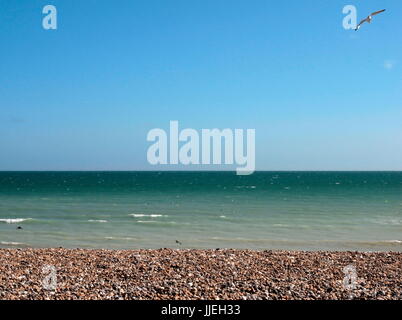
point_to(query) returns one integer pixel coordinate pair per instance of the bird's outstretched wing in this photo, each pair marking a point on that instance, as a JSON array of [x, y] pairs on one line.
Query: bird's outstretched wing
[[368, 19], [377, 12], [361, 22]]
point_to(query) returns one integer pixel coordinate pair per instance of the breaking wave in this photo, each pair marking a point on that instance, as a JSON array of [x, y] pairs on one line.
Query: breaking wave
[[139, 215], [14, 220]]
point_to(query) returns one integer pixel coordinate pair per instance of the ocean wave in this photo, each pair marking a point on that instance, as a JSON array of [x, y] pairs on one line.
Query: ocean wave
[[393, 241], [389, 221], [158, 223], [119, 238], [139, 215], [6, 243], [100, 221], [14, 220], [246, 187]]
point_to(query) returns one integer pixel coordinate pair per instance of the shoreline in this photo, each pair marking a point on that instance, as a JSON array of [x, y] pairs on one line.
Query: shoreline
[[191, 274]]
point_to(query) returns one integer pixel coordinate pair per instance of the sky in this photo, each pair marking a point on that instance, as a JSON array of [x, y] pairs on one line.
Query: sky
[[84, 96]]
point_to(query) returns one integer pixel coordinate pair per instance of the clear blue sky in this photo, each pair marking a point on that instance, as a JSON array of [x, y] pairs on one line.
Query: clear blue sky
[[84, 96]]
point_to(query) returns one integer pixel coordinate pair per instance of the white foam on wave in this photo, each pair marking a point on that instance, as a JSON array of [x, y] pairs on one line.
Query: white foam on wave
[[6, 243], [139, 215], [158, 222], [14, 220], [394, 241], [246, 187], [388, 221], [119, 238], [100, 221]]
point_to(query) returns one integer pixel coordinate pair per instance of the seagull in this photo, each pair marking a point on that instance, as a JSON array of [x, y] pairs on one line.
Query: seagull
[[368, 19], [178, 242]]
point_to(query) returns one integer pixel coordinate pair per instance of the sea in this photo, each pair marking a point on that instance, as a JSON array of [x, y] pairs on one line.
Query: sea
[[348, 211]]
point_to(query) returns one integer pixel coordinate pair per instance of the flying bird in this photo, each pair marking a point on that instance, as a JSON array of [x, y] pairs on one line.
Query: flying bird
[[368, 19]]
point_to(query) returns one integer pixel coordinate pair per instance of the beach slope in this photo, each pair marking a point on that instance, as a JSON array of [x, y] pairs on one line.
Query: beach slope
[[198, 274]]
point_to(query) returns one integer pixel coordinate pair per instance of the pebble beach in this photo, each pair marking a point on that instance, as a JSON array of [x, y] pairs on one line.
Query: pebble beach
[[198, 274]]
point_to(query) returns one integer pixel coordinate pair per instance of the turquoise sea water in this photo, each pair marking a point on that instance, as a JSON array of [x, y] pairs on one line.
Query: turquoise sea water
[[266, 210]]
